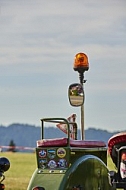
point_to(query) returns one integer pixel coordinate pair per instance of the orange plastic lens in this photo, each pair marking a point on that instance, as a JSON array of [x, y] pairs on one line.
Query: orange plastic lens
[[81, 60]]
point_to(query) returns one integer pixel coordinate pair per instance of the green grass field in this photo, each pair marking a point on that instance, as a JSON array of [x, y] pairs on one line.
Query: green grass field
[[21, 169]]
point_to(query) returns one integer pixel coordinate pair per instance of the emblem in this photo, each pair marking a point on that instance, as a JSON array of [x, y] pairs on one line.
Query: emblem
[[42, 153], [61, 152], [62, 163], [52, 164], [43, 163], [51, 153]]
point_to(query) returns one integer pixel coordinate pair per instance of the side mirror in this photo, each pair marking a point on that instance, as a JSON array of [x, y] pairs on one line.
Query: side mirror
[[76, 94]]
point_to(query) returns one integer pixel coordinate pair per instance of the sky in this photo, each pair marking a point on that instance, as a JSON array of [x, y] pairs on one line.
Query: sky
[[38, 42]]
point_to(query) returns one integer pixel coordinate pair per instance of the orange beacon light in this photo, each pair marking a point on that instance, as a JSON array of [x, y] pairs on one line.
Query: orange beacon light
[[81, 62]]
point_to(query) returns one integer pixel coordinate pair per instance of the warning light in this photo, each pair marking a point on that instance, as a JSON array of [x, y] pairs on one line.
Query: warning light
[[81, 62]]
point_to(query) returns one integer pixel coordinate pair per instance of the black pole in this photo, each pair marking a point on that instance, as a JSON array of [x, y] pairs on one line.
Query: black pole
[[81, 77]]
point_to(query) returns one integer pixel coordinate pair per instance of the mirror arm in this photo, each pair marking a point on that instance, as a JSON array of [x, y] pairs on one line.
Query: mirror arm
[[81, 77]]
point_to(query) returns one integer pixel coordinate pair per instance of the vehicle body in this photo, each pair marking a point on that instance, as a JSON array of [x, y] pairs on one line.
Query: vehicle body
[[69, 164]]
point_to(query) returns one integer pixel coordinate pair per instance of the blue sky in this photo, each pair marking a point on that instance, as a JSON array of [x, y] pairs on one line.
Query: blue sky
[[38, 42]]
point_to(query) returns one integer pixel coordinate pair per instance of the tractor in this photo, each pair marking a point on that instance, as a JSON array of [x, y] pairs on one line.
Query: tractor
[[67, 163]]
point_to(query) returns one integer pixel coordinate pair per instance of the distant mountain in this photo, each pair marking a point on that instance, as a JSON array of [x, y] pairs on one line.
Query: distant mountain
[[27, 135], [98, 134]]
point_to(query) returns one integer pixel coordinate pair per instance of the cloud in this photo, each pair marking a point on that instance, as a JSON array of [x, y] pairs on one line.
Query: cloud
[[37, 46]]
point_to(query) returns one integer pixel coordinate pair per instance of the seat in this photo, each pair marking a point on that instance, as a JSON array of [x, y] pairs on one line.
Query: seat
[[62, 142]]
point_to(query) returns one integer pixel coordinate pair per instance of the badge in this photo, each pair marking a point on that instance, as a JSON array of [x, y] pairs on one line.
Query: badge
[[62, 163], [61, 152], [43, 163], [52, 164], [51, 153], [42, 153]]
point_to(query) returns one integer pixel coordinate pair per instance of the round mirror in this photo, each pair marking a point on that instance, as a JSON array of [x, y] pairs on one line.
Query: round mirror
[[76, 94]]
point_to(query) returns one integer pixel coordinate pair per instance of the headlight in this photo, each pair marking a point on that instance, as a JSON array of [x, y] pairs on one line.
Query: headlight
[[4, 164]]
